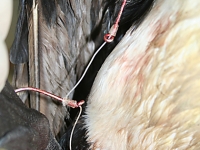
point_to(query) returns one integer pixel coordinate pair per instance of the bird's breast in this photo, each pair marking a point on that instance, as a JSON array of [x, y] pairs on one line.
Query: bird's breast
[[146, 95]]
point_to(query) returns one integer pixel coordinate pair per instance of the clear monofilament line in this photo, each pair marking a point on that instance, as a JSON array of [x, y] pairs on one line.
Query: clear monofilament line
[[70, 140], [86, 69]]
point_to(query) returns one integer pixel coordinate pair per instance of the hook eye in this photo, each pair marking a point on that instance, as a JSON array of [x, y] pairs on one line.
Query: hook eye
[[108, 38]]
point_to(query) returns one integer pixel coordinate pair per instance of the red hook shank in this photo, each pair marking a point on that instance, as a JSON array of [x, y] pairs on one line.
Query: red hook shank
[[113, 30]]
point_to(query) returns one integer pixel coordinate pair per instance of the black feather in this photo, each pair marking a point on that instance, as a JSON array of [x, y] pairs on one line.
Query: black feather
[[78, 138], [49, 11], [19, 49]]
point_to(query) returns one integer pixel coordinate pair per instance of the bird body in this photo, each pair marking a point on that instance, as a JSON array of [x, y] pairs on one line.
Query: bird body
[[146, 95]]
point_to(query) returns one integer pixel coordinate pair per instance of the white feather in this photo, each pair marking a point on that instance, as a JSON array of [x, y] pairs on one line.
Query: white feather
[[147, 93]]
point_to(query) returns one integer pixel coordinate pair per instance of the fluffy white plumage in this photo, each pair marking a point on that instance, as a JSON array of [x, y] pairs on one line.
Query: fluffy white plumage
[[147, 93]]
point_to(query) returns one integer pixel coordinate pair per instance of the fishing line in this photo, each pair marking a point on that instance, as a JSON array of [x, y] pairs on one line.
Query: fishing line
[[86, 69], [68, 102], [70, 140]]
